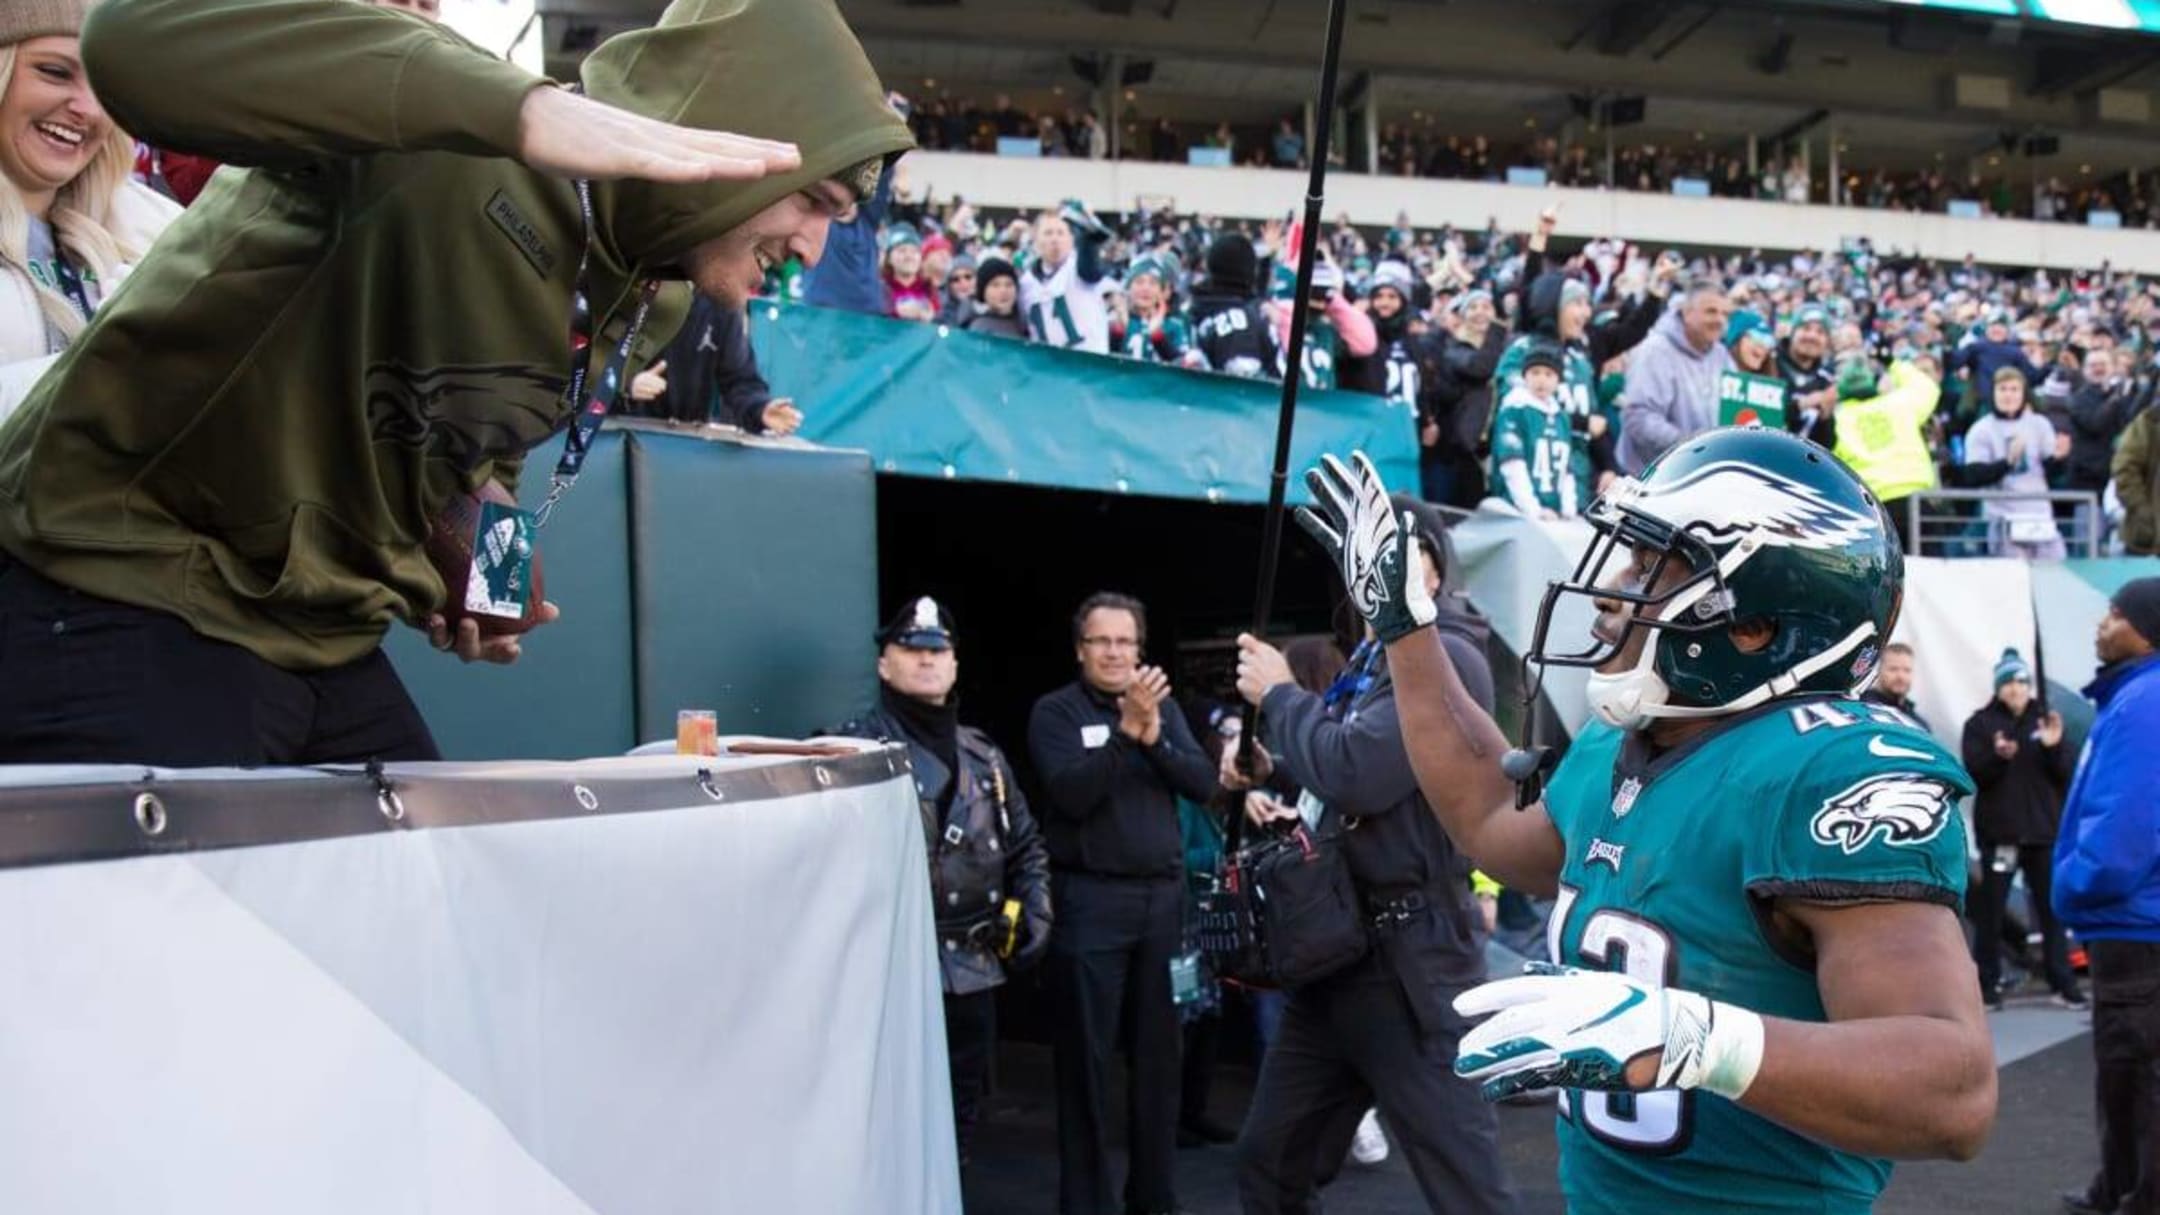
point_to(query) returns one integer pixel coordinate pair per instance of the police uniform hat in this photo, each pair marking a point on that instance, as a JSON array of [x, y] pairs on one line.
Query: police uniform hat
[[923, 624]]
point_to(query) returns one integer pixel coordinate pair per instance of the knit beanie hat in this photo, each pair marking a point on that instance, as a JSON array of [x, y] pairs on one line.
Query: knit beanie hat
[[1546, 355], [902, 234], [991, 270], [1394, 274], [2139, 603], [1231, 264], [1746, 323], [2011, 667], [22, 20]]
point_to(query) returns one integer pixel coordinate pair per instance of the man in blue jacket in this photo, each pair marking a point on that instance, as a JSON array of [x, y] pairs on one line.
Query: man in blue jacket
[[2107, 889]]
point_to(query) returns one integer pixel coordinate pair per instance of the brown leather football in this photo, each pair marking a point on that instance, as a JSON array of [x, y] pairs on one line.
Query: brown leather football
[[450, 550]]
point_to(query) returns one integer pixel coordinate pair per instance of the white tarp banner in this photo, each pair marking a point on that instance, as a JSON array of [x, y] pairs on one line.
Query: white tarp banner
[[714, 989]]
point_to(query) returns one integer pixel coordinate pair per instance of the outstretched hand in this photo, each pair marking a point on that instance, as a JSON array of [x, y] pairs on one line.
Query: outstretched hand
[[564, 134], [1375, 552]]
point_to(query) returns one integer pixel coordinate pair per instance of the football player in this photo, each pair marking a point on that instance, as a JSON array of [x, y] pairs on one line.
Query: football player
[[1763, 992]]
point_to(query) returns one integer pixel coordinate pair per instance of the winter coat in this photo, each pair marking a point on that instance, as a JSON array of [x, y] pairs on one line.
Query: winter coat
[[712, 372], [1350, 756], [982, 320], [139, 214], [2020, 799], [373, 315], [1671, 394], [984, 849], [2136, 471], [2107, 859], [2098, 413], [1459, 394]]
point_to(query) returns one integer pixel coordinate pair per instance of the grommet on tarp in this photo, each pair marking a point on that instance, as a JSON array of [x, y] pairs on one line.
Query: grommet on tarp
[[710, 784], [386, 797], [824, 776], [585, 797], [150, 814]]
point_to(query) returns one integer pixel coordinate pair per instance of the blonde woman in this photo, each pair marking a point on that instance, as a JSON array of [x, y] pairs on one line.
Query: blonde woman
[[71, 218]]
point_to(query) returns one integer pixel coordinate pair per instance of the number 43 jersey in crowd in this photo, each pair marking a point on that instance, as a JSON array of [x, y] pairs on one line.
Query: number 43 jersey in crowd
[[1673, 862]]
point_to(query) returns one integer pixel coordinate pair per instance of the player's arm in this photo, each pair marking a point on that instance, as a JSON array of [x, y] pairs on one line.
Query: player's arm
[[286, 82], [1454, 746], [1455, 749], [1905, 1067]]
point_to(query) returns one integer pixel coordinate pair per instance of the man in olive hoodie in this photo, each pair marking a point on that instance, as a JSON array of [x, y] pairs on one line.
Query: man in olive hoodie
[[215, 505]]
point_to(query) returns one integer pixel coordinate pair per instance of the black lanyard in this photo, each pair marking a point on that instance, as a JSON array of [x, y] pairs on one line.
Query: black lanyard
[[594, 409]]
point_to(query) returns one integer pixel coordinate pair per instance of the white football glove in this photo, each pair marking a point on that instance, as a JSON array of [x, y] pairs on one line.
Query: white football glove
[[1374, 549], [1559, 1027]]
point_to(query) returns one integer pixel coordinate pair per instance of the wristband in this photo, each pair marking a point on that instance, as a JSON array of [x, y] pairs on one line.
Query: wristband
[[1710, 1045]]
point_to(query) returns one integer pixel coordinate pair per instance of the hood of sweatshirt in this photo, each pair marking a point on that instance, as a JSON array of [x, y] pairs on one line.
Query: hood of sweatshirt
[[1671, 329], [775, 69]]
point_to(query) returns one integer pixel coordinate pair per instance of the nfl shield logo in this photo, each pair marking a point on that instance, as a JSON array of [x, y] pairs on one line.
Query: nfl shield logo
[[1623, 799]]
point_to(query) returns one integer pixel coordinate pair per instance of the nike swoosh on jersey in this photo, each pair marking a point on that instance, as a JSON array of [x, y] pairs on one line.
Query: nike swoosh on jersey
[[1878, 745]]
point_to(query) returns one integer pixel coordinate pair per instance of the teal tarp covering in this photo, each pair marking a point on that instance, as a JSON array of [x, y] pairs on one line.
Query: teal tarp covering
[[926, 401]]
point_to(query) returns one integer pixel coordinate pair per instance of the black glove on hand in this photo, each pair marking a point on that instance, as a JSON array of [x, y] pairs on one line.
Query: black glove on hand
[[1034, 930]]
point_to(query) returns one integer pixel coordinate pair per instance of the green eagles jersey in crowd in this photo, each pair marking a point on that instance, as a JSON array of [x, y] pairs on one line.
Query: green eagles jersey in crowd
[[1578, 392], [1672, 864], [1539, 436], [1321, 347], [1165, 343]]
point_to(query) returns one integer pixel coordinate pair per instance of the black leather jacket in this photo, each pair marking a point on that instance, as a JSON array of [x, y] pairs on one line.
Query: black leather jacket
[[984, 849]]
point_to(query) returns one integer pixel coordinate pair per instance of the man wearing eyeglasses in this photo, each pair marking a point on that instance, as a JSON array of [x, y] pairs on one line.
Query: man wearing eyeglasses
[[1113, 754]]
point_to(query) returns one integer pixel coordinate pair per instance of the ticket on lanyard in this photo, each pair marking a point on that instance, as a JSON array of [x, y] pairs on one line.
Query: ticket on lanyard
[[500, 582]]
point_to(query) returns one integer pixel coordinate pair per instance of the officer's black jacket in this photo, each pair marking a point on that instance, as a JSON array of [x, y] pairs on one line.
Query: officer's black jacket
[[1111, 802], [998, 854]]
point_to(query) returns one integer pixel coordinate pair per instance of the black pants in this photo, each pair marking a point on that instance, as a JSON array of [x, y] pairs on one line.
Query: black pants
[[1349, 1043], [2126, 1052], [970, 1039], [1109, 977], [1203, 1046], [87, 680], [2037, 863]]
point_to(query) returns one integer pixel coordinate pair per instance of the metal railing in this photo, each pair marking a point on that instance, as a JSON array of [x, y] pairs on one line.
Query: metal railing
[[1955, 523]]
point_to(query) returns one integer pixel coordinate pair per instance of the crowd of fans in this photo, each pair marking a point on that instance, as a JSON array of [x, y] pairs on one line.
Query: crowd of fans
[[1537, 375], [1415, 150]]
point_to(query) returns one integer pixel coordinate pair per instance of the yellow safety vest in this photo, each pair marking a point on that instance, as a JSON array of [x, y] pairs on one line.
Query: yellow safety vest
[[1883, 438]]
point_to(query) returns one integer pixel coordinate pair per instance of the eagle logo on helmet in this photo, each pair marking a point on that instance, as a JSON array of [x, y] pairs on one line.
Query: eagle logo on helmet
[[1902, 810], [1724, 501]]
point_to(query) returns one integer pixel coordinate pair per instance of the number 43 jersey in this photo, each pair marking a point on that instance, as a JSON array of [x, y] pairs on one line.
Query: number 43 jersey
[[1672, 865]]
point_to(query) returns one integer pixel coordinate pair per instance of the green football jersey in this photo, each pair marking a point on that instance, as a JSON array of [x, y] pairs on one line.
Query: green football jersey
[[1542, 439], [1672, 863], [1165, 344]]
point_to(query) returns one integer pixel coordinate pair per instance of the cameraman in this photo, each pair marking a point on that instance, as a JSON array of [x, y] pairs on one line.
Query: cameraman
[[1384, 1030]]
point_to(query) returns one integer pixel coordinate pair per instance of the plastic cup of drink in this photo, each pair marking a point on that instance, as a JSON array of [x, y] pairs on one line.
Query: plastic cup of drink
[[697, 732]]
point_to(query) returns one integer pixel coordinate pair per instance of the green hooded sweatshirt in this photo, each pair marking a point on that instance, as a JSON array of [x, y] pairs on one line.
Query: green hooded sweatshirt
[[259, 426]]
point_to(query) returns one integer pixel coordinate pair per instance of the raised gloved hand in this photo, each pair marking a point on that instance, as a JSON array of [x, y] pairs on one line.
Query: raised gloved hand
[[1375, 552], [1558, 1027]]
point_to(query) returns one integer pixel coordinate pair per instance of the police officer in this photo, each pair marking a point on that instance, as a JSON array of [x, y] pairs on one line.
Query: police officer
[[989, 872], [1383, 1031]]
